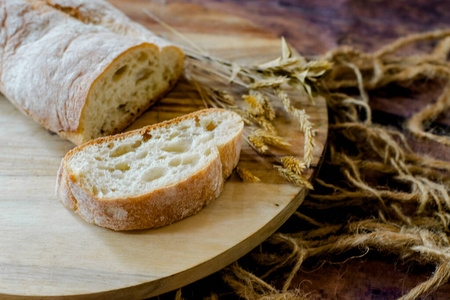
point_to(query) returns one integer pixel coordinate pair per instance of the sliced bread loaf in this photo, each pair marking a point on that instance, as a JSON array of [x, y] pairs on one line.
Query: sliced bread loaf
[[81, 68], [153, 176]]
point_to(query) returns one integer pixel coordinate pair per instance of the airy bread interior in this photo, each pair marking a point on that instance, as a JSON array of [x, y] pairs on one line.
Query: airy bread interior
[[137, 164], [125, 89]]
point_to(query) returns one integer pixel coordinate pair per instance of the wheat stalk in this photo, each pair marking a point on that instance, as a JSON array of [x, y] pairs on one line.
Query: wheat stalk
[[258, 143], [293, 177], [293, 164], [270, 82], [272, 139], [305, 125], [254, 103], [246, 175], [269, 111]]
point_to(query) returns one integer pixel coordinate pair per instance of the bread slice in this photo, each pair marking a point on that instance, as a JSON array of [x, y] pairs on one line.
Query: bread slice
[[153, 176], [82, 68]]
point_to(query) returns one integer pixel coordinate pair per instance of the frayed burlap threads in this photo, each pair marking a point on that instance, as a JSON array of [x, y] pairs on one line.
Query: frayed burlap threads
[[408, 242], [249, 286], [415, 124], [381, 69], [411, 223]]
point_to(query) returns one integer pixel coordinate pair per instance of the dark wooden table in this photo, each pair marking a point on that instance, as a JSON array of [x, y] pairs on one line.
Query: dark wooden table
[[314, 27]]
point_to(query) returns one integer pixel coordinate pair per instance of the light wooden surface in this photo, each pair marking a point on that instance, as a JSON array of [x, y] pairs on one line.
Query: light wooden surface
[[47, 250]]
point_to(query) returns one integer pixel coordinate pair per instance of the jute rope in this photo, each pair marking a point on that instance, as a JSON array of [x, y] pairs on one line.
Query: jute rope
[[402, 196]]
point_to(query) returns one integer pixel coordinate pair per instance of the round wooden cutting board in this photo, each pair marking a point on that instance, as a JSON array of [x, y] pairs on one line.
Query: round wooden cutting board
[[47, 250]]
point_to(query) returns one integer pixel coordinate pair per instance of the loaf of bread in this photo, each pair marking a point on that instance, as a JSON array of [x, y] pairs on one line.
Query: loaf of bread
[[153, 176], [81, 67]]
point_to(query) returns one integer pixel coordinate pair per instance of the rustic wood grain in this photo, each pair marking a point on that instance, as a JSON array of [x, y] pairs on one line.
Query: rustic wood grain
[[48, 251]]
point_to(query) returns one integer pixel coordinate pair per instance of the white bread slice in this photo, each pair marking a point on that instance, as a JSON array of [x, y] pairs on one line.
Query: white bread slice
[[81, 68], [153, 176]]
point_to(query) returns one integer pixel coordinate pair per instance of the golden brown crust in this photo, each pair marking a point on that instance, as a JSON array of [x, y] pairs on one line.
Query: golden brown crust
[[157, 208], [63, 189]]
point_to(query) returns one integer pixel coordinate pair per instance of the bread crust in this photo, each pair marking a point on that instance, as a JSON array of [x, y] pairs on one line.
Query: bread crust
[[157, 208], [69, 45]]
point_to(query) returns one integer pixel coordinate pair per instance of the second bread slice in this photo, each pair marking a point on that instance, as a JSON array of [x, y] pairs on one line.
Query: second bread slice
[[154, 176]]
